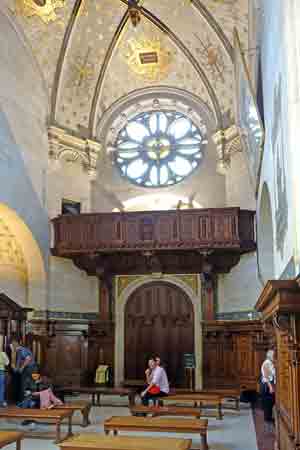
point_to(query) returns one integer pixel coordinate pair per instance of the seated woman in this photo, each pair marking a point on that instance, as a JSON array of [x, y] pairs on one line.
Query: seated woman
[[38, 394], [158, 386]]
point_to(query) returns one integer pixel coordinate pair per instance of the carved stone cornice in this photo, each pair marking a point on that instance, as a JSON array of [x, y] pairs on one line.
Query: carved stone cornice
[[228, 143], [63, 145]]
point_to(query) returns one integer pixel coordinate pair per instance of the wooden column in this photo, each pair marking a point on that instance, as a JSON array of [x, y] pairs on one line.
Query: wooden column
[[279, 304], [208, 285], [106, 297]]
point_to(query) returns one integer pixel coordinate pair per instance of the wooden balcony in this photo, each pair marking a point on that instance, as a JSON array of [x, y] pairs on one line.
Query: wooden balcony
[[154, 236]]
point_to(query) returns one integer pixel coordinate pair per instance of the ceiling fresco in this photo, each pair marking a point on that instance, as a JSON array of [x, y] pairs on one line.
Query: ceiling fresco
[[91, 54]]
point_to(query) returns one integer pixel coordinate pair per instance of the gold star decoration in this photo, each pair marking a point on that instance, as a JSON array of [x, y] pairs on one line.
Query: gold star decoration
[[82, 71], [44, 9]]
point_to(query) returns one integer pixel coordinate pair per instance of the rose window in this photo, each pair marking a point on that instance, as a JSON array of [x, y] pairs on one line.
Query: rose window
[[159, 148]]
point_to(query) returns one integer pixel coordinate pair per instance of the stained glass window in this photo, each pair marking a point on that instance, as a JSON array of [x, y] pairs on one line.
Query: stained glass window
[[158, 148]]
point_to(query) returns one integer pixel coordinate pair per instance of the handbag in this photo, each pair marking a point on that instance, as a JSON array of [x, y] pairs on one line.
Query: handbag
[[154, 390]]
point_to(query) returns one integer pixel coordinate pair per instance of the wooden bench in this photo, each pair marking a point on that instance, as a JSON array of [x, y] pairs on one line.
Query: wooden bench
[[203, 399], [83, 406], [225, 393], [157, 411], [92, 441], [157, 424], [96, 392], [55, 416], [233, 394], [9, 437]]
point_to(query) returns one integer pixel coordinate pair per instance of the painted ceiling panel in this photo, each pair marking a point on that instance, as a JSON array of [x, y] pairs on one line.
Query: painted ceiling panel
[[204, 44], [195, 24], [126, 71], [44, 33], [230, 14], [90, 40]]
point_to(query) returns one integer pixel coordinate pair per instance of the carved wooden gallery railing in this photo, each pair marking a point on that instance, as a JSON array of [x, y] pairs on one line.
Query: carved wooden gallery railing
[[146, 233], [279, 304]]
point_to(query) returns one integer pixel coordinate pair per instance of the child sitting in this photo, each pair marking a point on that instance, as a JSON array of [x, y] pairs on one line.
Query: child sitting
[[38, 394]]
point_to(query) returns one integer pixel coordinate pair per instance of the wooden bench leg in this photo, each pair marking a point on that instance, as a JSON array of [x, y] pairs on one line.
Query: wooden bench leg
[[106, 431], [18, 444], [85, 416], [220, 414], [70, 433], [98, 400], [115, 432], [58, 432], [237, 404], [203, 440]]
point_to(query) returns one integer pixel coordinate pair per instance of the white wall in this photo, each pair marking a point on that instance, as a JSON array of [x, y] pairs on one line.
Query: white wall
[[280, 146], [70, 181], [240, 289], [23, 149], [71, 289]]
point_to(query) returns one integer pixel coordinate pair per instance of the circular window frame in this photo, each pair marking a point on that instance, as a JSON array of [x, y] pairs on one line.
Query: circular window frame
[[160, 156]]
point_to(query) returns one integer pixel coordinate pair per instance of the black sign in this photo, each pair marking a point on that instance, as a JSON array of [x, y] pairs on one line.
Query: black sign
[[70, 207], [189, 360]]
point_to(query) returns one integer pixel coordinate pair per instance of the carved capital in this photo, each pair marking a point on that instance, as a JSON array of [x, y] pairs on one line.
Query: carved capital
[[228, 143], [63, 145]]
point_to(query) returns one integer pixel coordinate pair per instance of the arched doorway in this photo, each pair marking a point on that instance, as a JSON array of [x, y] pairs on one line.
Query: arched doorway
[[159, 319]]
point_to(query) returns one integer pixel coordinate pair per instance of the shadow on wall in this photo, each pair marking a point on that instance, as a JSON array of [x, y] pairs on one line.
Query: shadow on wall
[[21, 209], [265, 236]]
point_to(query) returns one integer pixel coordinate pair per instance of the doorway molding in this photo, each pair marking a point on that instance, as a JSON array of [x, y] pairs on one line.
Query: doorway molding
[[121, 299]]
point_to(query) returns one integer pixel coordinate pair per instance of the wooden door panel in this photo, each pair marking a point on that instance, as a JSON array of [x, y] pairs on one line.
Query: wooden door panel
[[159, 319]]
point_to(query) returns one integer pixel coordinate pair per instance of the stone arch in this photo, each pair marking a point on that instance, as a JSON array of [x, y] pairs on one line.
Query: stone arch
[[120, 306], [265, 236], [33, 260]]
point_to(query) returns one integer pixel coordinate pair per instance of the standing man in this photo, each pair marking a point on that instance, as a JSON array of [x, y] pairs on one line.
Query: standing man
[[25, 364], [4, 361], [159, 384]]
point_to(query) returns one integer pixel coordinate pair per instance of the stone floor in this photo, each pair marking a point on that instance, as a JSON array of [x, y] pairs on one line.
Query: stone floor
[[235, 432]]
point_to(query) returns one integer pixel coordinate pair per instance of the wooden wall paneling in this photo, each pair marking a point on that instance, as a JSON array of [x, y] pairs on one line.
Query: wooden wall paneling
[[101, 347], [233, 352]]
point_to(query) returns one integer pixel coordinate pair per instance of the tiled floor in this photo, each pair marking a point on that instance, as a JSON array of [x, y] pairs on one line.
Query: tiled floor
[[235, 432]]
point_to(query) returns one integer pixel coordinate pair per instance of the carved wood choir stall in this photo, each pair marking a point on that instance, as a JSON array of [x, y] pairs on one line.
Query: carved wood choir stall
[[73, 349], [234, 352], [279, 304]]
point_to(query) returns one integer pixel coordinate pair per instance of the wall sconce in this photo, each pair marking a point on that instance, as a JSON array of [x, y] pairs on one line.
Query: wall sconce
[[134, 12]]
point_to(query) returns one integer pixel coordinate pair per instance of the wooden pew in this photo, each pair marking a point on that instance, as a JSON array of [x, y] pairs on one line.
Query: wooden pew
[[203, 399], [83, 406], [157, 411], [10, 437], [225, 393], [157, 424], [55, 416], [96, 392], [92, 441]]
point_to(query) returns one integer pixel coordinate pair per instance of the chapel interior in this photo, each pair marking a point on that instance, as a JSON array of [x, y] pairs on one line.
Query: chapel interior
[[149, 205]]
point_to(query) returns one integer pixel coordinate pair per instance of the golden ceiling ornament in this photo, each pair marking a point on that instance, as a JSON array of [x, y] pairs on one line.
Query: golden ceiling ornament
[[148, 58], [44, 9]]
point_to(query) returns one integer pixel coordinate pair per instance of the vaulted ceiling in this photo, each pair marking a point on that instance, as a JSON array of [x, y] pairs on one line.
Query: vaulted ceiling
[[88, 53]]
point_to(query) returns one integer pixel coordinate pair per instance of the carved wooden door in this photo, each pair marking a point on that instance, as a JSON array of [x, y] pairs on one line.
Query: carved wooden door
[[159, 319]]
